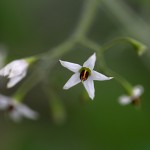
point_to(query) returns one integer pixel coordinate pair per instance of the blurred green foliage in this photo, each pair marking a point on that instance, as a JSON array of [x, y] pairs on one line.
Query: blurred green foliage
[[31, 27]]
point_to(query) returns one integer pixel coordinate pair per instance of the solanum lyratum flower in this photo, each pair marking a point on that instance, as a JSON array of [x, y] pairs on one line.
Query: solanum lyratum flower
[[133, 98], [15, 71], [15, 109], [84, 74]]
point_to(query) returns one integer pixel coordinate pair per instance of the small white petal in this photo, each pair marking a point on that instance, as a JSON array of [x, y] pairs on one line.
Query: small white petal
[[100, 77], [124, 100], [27, 112], [89, 86], [19, 110], [14, 68], [5, 71], [4, 102], [17, 67], [13, 81], [90, 63], [75, 79], [137, 91], [15, 115], [71, 66], [16, 71]]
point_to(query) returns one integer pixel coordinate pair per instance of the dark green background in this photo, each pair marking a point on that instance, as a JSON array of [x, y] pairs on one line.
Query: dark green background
[[29, 27]]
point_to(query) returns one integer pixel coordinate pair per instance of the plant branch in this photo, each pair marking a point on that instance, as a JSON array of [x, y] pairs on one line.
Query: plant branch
[[131, 22], [49, 58], [87, 18]]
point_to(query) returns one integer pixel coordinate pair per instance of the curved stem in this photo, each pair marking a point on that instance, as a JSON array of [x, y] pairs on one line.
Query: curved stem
[[138, 46], [47, 63], [49, 58], [55, 103], [132, 23], [87, 18]]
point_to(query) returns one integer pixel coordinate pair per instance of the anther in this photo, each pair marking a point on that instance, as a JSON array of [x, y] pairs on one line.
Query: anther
[[84, 75]]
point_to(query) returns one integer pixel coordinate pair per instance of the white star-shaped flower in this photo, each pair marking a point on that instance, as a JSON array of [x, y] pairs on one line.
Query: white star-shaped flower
[[15, 71], [134, 98], [16, 110], [84, 74]]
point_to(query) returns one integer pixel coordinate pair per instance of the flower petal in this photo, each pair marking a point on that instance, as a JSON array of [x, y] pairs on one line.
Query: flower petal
[[89, 86], [137, 91], [15, 115], [75, 79], [13, 81], [71, 66], [5, 71], [90, 63], [4, 102], [26, 111], [18, 67], [124, 100], [100, 77], [15, 68]]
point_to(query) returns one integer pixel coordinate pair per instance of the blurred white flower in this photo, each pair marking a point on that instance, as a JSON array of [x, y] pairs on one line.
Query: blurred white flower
[[84, 73], [134, 98], [15, 71], [16, 110]]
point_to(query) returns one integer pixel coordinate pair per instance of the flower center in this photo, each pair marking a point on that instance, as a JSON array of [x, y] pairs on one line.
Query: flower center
[[136, 101], [84, 73], [10, 108]]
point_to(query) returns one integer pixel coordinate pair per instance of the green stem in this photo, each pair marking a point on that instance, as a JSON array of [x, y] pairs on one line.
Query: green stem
[[81, 30], [30, 82], [49, 58], [128, 18], [56, 106], [87, 18], [46, 64], [133, 23], [138, 46]]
